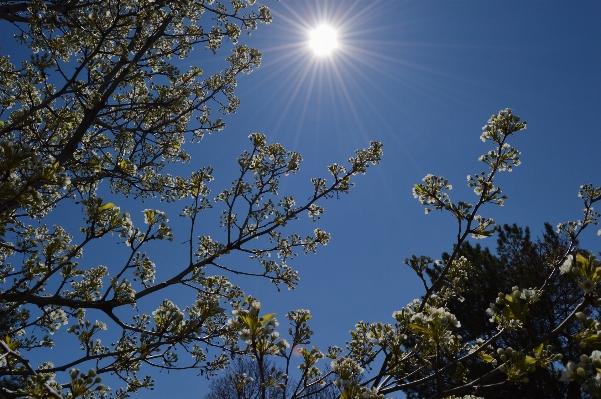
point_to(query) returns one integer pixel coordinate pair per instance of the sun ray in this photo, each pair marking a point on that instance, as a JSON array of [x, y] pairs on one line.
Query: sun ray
[[340, 83], [323, 40]]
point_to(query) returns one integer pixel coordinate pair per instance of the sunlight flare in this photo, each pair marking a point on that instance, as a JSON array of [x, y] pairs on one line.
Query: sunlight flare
[[323, 40]]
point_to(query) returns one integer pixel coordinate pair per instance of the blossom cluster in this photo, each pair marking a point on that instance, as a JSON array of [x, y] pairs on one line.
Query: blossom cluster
[[258, 332], [348, 381], [586, 271], [436, 316], [586, 372], [515, 307]]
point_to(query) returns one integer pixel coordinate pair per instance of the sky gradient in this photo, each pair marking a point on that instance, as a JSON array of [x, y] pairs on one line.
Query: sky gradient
[[422, 77]]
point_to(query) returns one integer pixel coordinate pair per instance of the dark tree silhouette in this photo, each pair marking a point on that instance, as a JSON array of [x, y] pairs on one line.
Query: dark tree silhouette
[[242, 381], [519, 261]]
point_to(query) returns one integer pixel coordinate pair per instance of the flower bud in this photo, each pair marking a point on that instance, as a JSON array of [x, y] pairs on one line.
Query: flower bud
[[581, 372]]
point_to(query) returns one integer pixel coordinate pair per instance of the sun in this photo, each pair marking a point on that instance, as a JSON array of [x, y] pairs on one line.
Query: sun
[[323, 40]]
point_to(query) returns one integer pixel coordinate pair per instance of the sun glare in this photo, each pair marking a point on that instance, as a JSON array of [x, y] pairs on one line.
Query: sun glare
[[323, 56], [323, 40]]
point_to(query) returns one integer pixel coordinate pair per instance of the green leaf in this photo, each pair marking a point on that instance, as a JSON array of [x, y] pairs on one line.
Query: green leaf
[[106, 206], [247, 320], [266, 318], [419, 328], [507, 313], [528, 361], [539, 349], [486, 357]]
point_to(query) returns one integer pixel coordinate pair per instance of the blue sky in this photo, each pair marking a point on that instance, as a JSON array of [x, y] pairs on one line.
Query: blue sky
[[422, 77]]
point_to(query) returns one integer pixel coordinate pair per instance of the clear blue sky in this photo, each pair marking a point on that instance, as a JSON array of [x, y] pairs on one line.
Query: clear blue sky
[[422, 77]]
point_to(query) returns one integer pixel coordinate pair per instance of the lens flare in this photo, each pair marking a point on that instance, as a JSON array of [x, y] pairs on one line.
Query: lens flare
[[323, 40]]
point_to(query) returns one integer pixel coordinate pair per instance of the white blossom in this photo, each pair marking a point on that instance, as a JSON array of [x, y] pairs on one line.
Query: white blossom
[[566, 267]]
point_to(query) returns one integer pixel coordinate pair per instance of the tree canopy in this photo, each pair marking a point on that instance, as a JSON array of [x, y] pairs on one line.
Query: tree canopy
[[102, 107], [519, 261], [484, 328]]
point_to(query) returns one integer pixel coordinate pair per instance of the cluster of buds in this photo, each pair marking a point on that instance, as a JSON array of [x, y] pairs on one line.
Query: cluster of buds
[[435, 317], [352, 389], [432, 192], [585, 373], [516, 305], [587, 272], [169, 317], [501, 125], [82, 383], [590, 333], [348, 380], [516, 364], [258, 332], [240, 381]]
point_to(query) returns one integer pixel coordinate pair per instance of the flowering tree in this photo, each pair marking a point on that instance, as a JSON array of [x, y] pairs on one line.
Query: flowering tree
[[423, 346], [101, 108], [519, 261]]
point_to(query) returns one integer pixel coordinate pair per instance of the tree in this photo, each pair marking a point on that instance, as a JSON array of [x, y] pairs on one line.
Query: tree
[[425, 346], [103, 107], [242, 381], [7, 323], [519, 262], [548, 317]]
